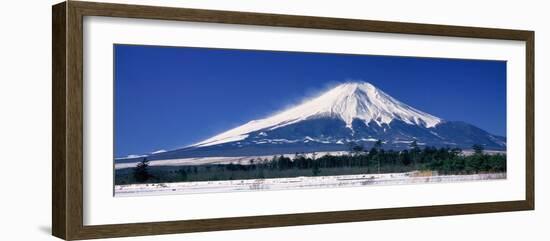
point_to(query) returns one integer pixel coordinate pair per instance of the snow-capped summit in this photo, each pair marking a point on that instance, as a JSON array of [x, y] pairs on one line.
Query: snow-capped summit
[[362, 100], [347, 101]]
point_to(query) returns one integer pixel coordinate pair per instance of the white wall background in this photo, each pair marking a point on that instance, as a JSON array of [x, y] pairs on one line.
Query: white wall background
[[25, 121]]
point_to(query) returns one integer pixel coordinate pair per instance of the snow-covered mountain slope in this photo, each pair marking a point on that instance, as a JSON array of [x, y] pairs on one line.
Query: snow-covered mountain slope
[[348, 102], [354, 112]]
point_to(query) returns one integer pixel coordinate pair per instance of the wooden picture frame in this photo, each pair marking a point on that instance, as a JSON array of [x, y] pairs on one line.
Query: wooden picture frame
[[67, 124]]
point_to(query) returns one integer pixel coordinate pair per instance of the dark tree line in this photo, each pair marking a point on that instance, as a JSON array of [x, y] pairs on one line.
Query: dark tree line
[[378, 160], [358, 160]]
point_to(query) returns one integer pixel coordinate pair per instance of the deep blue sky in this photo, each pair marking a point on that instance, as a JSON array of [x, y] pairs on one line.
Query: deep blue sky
[[169, 97]]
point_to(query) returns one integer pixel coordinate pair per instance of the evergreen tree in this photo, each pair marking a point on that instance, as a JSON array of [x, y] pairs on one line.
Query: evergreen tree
[[261, 174], [141, 172], [415, 153], [315, 170], [405, 157], [478, 149], [182, 174]]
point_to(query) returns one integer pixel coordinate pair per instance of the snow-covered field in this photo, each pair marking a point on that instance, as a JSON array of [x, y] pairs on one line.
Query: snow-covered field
[[294, 183]]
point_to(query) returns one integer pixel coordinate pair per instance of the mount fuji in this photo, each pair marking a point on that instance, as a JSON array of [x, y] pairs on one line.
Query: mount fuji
[[353, 112]]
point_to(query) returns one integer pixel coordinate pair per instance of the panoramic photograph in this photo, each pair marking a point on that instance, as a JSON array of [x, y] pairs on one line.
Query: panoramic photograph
[[204, 120]]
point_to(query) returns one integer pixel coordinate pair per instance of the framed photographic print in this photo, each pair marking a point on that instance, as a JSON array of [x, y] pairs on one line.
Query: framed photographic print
[[210, 120]]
